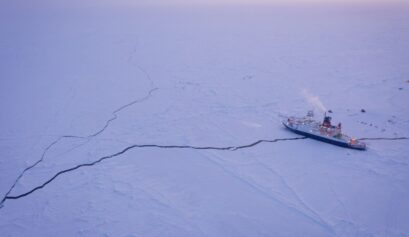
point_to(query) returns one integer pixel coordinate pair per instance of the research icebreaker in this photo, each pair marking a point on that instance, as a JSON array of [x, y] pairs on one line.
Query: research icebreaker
[[325, 131]]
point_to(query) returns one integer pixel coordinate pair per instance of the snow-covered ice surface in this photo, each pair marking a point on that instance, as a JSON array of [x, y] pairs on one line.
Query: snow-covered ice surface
[[165, 121]]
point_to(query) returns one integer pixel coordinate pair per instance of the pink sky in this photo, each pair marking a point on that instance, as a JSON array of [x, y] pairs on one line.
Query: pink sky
[[249, 2], [210, 2]]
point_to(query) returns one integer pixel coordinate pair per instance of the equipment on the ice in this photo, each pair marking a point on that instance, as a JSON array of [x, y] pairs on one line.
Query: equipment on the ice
[[324, 131]]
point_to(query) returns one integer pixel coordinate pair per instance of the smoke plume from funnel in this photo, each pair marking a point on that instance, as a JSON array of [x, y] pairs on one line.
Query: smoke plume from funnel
[[314, 101]]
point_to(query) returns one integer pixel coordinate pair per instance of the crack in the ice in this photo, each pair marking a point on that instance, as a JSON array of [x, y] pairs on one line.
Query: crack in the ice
[[114, 113], [88, 137], [227, 148], [384, 138]]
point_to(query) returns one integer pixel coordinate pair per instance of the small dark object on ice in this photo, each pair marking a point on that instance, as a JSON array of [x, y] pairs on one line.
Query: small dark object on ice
[[330, 111], [363, 111], [400, 88]]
